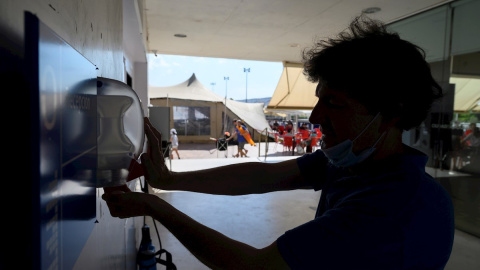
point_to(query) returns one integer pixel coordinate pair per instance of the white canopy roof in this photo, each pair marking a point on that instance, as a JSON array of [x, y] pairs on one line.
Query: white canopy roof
[[189, 89], [192, 89], [467, 94], [294, 91]]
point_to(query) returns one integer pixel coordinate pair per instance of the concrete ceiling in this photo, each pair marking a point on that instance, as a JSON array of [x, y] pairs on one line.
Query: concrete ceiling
[[263, 30]]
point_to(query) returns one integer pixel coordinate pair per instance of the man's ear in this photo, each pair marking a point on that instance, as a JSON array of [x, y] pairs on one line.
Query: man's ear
[[392, 116], [389, 122]]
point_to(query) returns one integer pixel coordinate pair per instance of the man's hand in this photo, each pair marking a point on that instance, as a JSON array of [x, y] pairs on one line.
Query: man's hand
[[135, 170], [122, 188], [153, 162], [129, 204]]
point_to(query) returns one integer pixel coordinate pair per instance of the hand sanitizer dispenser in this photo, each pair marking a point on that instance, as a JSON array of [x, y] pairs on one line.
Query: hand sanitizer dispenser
[[120, 134]]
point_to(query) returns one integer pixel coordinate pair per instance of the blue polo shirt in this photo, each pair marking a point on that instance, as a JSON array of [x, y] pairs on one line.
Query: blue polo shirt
[[240, 137], [390, 214]]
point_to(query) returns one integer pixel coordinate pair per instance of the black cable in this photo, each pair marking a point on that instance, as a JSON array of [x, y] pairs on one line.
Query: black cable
[[153, 220], [158, 235], [168, 261]]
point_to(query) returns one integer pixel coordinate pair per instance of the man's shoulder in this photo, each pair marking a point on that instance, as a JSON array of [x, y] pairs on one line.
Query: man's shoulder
[[243, 128]]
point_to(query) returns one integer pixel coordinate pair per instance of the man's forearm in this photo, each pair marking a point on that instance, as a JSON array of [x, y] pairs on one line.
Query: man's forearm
[[240, 179], [212, 248]]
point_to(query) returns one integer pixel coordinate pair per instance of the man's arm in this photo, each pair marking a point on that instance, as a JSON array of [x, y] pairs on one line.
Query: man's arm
[[239, 179], [233, 135], [234, 179]]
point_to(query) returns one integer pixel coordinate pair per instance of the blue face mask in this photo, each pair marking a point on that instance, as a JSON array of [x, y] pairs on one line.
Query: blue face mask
[[341, 155]]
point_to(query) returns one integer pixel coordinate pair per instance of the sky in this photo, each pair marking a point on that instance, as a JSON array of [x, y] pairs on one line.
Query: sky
[[260, 82]]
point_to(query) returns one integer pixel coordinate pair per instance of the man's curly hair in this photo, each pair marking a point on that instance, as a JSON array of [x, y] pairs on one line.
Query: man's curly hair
[[384, 72]]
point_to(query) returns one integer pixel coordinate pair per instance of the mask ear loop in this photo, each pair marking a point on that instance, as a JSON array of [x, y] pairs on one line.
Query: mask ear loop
[[381, 136], [363, 131]]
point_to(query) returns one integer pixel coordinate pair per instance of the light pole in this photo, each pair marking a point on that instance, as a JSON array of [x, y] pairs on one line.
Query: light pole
[[225, 113], [246, 70], [213, 85]]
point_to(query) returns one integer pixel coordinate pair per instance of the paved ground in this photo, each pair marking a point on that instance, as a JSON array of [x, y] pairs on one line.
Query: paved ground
[[209, 150]]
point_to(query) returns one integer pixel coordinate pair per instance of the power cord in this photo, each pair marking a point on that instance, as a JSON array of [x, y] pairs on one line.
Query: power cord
[[147, 258]]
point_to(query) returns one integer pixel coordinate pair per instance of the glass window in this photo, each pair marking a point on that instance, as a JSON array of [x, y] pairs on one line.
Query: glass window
[[191, 121], [453, 159]]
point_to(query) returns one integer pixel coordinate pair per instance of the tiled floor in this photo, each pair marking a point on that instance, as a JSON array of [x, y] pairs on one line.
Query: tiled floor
[[269, 214]]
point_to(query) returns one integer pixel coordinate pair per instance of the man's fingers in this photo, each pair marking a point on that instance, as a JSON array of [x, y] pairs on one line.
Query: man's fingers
[[122, 189], [148, 167], [146, 121], [154, 146], [151, 139], [135, 170], [151, 130], [154, 130], [155, 151]]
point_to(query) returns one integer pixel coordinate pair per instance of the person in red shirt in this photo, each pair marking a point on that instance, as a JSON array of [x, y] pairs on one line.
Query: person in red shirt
[[470, 129], [305, 132], [289, 126]]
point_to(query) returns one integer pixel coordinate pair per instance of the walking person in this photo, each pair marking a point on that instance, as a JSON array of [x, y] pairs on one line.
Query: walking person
[[378, 207], [174, 143], [242, 152]]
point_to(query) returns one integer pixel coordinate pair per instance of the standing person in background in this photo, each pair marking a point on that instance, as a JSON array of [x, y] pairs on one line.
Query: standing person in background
[[174, 143], [234, 137], [379, 209], [240, 139], [281, 129], [466, 140], [304, 131], [275, 126], [243, 129], [312, 141], [289, 126], [305, 135], [288, 138], [471, 149], [455, 153]]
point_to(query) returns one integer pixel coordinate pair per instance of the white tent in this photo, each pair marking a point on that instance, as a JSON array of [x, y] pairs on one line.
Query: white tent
[[194, 91], [190, 89]]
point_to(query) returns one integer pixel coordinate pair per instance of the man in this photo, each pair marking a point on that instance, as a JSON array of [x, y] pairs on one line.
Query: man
[[378, 209], [275, 126], [242, 152], [311, 141], [467, 138], [304, 130], [281, 129], [305, 134]]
